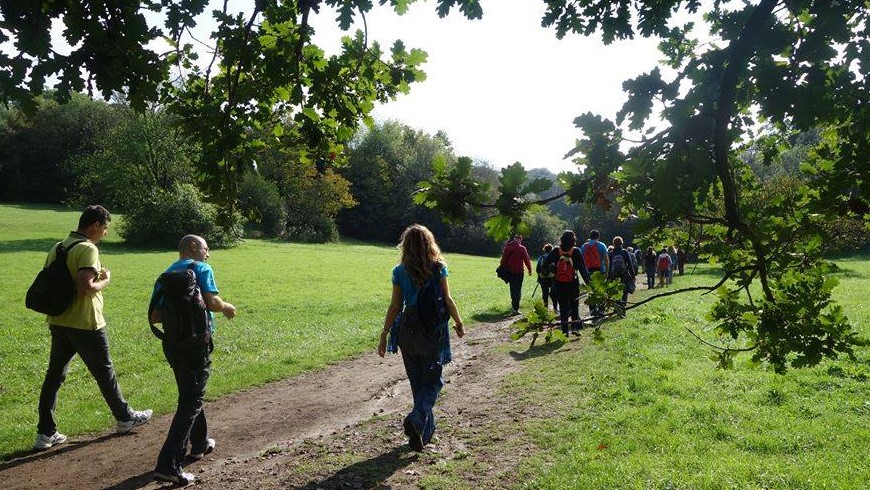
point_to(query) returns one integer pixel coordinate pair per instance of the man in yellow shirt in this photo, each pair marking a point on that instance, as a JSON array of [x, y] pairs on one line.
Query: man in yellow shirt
[[81, 330]]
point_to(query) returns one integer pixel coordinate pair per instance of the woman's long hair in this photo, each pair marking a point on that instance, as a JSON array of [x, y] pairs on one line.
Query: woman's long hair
[[567, 241], [419, 252]]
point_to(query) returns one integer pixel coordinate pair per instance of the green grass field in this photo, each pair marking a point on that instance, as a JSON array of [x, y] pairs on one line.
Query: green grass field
[[642, 407], [645, 407], [300, 307]]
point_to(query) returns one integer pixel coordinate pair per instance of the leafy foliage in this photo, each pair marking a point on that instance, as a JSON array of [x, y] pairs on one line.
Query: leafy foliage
[[141, 153], [37, 150], [541, 320], [764, 233], [260, 201], [161, 218]]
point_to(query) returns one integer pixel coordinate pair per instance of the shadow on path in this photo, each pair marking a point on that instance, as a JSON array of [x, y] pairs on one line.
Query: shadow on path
[[136, 482], [30, 456], [371, 473]]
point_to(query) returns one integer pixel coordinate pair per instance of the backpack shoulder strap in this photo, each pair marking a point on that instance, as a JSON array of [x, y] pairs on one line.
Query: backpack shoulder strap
[[58, 248]]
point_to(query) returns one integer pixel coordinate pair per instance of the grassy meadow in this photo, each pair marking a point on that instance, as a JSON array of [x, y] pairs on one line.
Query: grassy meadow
[[645, 408], [642, 406], [300, 307]]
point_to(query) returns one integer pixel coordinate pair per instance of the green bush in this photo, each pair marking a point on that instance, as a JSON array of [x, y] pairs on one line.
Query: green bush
[[318, 229], [260, 202], [161, 218]]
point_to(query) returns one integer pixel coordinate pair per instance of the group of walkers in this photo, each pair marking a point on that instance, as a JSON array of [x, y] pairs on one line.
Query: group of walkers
[[663, 265], [80, 329], [420, 276], [561, 268]]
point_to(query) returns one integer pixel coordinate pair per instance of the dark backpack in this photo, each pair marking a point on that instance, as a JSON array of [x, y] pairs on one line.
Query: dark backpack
[[183, 312], [545, 271], [592, 257], [422, 325], [618, 268], [54, 288], [565, 267]]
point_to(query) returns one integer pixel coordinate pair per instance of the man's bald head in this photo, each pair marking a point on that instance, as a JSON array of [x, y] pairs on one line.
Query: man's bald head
[[191, 246]]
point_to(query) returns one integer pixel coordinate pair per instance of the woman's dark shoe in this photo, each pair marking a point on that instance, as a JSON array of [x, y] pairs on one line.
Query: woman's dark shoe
[[415, 440]]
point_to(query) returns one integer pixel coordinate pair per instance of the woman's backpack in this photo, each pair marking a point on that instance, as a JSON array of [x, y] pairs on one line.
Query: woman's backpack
[[565, 267], [422, 325]]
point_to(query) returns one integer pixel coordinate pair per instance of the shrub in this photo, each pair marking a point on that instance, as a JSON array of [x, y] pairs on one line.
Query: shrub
[[319, 229], [260, 202], [161, 218]]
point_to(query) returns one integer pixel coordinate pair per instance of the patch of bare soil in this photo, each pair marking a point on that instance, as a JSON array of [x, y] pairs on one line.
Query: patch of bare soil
[[335, 428]]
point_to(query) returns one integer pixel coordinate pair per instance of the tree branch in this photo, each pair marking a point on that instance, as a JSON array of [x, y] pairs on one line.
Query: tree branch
[[719, 347]]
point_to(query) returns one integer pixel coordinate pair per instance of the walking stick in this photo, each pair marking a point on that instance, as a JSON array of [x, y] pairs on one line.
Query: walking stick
[[536, 289]]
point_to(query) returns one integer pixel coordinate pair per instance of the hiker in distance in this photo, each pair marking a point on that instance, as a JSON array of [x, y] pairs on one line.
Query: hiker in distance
[[545, 277], [514, 256], [422, 294], [183, 300], [80, 329], [567, 262], [595, 257]]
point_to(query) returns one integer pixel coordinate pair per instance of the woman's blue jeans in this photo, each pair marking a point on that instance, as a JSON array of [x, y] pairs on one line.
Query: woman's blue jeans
[[426, 384]]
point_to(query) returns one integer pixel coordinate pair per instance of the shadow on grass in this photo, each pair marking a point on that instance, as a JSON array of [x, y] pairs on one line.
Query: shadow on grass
[[45, 244], [537, 350], [491, 316], [370, 473], [28, 245]]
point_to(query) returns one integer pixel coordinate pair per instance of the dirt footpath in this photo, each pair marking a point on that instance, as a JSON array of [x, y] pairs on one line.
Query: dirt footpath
[[265, 435]]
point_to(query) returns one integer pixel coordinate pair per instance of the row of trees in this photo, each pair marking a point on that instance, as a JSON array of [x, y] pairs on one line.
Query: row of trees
[[143, 164]]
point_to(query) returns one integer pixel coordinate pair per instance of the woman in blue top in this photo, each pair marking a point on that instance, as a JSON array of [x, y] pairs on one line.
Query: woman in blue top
[[420, 253]]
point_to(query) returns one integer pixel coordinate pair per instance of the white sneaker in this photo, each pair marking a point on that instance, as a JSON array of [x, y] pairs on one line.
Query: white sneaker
[[209, 447], [183, 478], [44, 442], [137, 418]]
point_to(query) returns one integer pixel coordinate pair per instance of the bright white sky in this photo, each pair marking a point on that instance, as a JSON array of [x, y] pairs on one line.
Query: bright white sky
[[503, 87]]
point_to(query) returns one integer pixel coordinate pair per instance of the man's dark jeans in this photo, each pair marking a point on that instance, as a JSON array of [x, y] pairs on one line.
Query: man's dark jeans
[[93, 347], [190, 364], [426, 383], [569, 305], [516, 286], [548, 292]]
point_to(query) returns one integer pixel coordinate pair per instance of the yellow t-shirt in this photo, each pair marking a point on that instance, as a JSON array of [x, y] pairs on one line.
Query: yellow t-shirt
[[85, 312]]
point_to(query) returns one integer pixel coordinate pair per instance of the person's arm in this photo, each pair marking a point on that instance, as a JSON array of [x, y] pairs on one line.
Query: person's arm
[[214, 303], [89, 281], [580, 265], [527, 260], [451, 307], [392, 311]]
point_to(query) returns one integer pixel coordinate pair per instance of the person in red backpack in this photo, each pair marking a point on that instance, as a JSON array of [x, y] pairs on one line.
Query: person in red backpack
[[514, 257], [663, 266], [566, 286], [595, 257], [594, 253]]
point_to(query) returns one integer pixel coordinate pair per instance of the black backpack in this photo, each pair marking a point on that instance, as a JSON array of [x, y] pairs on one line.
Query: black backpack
[[54, 288], [422, 325], [183, 312], [618, 267]]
